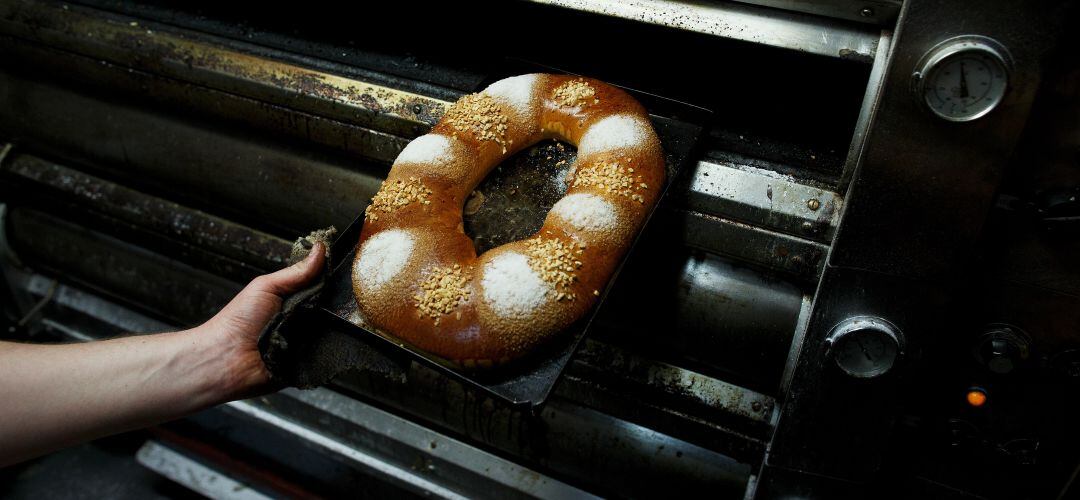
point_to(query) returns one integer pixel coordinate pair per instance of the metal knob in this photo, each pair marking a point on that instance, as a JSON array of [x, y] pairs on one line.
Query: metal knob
[[1002, 348]]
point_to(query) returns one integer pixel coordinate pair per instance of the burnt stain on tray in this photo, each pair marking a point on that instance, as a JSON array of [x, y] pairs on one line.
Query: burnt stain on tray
[[510, 204]]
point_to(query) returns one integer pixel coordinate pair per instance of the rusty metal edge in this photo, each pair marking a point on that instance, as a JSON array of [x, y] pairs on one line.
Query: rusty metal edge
[[224, 65]]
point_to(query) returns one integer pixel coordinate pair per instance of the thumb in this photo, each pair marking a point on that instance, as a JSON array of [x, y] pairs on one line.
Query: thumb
[[294, 277]]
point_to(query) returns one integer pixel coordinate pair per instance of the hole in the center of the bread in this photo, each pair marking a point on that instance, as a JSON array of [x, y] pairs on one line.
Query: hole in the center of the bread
[[511, 203]]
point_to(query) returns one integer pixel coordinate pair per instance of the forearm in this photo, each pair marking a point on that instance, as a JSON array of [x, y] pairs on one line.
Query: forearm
[[57, 395]]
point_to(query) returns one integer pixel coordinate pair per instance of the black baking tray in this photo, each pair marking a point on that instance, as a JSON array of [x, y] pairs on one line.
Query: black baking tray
[[514, 206]]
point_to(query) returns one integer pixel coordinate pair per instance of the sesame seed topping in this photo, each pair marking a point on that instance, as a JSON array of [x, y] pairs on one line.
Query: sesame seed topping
[[394, 195], [575, 93], [479, 115], [612, 178], [442, 291], [554, 261]]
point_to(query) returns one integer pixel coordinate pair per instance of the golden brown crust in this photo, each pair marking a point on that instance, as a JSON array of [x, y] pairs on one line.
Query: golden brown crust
[[416, 273]]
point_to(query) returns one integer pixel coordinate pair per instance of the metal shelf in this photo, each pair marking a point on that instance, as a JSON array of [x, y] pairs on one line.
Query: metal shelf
[[748, 23]]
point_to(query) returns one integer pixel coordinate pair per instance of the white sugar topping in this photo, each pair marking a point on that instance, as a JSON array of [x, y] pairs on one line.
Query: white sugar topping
[[382, 257], [618, 131], [357, 318], [430, 148], [517, 91], [586, 212], [511, 287]]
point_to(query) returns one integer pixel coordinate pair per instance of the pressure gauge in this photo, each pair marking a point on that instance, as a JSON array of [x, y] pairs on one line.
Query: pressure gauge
[[864, 346], [963, 78]]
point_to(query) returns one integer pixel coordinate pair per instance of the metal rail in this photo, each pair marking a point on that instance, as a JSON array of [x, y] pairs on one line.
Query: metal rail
[[748, 23]]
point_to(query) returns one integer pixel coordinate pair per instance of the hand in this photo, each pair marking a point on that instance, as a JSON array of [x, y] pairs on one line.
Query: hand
[[236, 328], [75, 392]]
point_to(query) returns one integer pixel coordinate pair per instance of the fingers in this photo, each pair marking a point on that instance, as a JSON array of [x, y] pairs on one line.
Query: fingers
[[295, 277]]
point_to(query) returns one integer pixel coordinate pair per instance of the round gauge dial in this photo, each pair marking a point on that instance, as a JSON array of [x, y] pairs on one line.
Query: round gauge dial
[[963, 78], [865, 347]]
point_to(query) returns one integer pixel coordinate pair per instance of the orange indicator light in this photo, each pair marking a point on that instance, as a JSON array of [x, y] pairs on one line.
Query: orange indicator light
[[976, 397]]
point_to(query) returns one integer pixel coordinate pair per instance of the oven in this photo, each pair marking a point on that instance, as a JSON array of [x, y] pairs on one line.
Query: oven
[[858, 250]]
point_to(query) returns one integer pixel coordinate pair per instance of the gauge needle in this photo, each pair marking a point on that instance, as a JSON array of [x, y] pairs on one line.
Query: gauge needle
[[864, 350], [963, 82]]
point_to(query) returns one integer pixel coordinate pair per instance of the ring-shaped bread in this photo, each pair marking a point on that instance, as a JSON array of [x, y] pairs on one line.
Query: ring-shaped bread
[[416, 274]]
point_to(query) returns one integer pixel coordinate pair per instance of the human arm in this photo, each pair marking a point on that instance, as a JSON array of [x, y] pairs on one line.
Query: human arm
[[52, 396]]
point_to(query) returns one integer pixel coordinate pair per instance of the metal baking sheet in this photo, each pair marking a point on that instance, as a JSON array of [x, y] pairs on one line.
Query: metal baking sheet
[[508, 205]]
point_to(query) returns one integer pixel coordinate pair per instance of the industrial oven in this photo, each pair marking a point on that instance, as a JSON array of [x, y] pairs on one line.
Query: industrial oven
[[864, 282]]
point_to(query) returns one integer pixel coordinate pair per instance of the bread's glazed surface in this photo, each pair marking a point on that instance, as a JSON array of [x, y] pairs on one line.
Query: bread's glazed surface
[[416, 274]]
